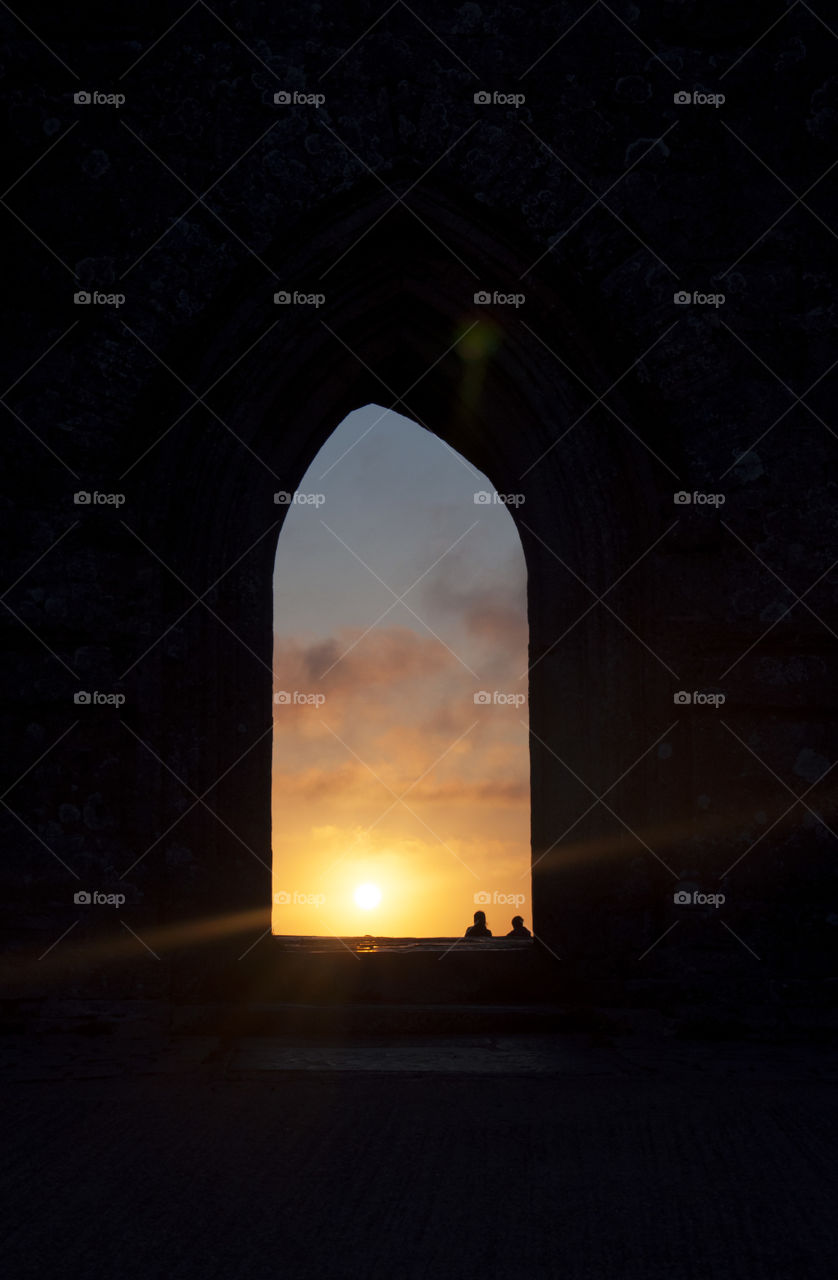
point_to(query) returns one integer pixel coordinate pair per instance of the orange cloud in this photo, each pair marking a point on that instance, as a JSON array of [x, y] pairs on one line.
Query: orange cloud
[[351, 663]]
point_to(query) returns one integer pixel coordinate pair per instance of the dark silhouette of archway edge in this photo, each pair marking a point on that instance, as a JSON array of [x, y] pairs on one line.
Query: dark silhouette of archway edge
[[398, 298]]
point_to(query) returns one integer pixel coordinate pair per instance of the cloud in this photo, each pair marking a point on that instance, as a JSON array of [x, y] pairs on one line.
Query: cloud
[[498, 791], [494, 611], [355, 781], [353, 663], [316, 783]]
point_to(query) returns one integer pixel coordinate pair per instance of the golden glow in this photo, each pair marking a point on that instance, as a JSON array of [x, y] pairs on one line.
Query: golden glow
[[367, 896], [241, 928]]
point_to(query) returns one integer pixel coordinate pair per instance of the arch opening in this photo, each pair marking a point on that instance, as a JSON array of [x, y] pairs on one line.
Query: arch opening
[[400, 767]]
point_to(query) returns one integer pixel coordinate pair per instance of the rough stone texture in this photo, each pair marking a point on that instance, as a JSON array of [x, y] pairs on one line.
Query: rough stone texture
[[734, 400]]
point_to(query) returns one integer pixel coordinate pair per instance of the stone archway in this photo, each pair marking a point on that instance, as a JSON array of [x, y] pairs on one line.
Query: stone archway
[[511, 396]]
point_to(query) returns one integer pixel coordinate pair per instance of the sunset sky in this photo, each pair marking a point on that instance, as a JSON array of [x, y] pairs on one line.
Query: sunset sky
[[374, 702]]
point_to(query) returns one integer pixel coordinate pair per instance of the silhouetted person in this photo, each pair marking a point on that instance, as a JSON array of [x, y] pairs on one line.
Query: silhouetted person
[[518, 930], [478, 929]]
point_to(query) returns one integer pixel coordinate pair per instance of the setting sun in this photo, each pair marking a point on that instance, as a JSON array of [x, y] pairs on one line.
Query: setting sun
[[367, 896]]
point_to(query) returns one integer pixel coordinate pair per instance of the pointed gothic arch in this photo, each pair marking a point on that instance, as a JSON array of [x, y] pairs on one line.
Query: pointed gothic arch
[[510, 388]]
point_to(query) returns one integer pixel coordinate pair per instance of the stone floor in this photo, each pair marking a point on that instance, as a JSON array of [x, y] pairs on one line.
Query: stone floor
[[572, 1155]]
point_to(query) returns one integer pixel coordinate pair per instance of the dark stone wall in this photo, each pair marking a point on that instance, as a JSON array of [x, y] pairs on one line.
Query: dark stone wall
[[399, 198]]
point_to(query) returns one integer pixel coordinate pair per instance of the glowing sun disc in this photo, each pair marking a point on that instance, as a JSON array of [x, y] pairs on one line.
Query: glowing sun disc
[[367, 896]]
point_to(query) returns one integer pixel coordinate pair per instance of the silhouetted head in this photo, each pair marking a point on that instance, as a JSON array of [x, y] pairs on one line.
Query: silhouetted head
[[517, 922], [480, 917]]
